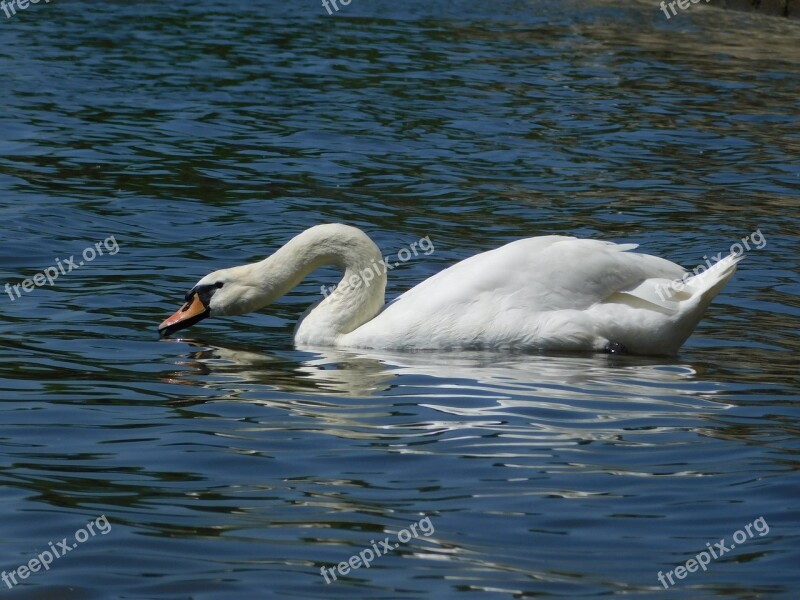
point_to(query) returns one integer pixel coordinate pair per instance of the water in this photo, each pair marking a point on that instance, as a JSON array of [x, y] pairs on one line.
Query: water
[[227, 463]]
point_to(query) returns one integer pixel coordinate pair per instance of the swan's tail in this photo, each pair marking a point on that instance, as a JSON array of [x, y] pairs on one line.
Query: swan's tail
[[697, 294], [683, 301], [704, 286], [675, 296]]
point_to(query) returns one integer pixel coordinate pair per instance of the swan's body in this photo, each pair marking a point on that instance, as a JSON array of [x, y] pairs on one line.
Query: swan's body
[[542, 293]]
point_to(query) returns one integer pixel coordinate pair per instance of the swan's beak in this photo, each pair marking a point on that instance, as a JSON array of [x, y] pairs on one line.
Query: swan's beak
[[186, 316]]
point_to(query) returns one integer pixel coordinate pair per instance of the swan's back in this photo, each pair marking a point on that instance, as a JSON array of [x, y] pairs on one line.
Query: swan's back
[[550, 292]]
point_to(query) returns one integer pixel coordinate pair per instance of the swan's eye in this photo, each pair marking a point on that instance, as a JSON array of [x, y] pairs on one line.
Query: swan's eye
[[204, 291]]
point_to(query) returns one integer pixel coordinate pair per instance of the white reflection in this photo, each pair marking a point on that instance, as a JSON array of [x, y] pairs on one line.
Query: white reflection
[[509, 383]]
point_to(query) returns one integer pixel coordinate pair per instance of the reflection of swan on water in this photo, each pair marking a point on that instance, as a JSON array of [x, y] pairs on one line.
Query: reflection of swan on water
[[472, 404], [549, 381], [552, 293], [334, 372]]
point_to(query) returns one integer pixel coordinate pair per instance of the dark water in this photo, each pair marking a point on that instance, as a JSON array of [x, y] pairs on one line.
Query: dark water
[[230, 465]]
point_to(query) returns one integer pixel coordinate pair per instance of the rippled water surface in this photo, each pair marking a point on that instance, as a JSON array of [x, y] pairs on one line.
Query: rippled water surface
[[229, 464]]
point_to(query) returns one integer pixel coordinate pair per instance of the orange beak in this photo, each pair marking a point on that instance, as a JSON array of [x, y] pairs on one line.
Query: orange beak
[[186, 316]]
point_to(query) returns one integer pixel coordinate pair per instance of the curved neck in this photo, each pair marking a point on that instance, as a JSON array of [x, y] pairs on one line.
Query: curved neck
[[358, 297]]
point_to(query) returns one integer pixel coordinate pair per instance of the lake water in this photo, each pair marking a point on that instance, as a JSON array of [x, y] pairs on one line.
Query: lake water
[[227, 464]]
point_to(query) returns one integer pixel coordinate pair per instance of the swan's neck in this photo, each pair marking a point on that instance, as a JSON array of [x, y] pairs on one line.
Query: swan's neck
[[358, 297]]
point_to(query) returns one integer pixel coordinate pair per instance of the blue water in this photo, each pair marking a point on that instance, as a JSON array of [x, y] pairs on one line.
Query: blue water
[[192, 136]]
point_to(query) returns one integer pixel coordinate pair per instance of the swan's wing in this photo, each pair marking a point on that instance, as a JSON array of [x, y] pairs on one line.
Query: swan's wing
[[544, 273], [510, 287]]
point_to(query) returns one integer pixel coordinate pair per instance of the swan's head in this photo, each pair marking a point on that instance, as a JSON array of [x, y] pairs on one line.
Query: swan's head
[[221, 293]]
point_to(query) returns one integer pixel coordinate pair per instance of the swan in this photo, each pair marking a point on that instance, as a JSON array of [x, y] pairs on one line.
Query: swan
[[548, 293]]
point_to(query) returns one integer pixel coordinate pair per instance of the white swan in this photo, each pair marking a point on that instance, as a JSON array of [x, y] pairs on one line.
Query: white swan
[[542, 293]]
